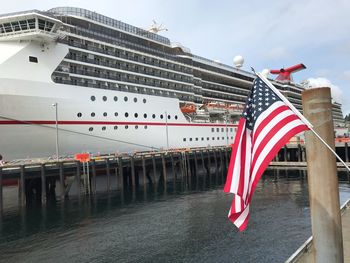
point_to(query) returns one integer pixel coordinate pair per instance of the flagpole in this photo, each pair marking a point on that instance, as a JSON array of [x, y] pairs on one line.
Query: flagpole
[[290, 105]]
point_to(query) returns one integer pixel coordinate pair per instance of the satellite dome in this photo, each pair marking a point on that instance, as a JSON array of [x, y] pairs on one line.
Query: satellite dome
[[238, 61], [265, 72]]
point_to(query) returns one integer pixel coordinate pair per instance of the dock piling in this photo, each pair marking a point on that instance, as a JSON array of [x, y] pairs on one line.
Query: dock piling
[[43, 184], [108, 172], [63, 187], [1, 196]]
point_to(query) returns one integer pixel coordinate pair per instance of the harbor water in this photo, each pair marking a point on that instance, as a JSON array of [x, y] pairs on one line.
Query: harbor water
[[185, 224]]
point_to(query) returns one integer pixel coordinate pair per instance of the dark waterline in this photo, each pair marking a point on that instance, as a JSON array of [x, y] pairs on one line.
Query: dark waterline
[[186, 225]]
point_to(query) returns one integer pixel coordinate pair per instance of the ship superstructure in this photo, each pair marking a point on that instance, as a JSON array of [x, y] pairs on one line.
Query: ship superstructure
[[114, 87]]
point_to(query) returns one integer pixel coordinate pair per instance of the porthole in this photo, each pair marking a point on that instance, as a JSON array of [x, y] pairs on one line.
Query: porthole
[[92, 114], [104, 98], [93, 98], [116, 127], [145, 127], [208, 138], [231, 137], [126, 127], [223, 138], [136, 127], [196, 139], [231, 129], [190, 139], [175, 117], [218, 138], [135, 100], [213, 138], [168, 117], [103, 128], [136, 115], [105, 114], [217, 129], [126, 114], [115, 98], [144, 100], [153, 116], [125, 98], [184, 139], [116, 114], [91, 129], [222, 129], [212, 129], [145, 115], [161, 116], [79, 114], [202, 139]]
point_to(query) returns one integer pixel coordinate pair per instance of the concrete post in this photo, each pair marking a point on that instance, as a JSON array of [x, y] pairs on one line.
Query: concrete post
[[322, 178]]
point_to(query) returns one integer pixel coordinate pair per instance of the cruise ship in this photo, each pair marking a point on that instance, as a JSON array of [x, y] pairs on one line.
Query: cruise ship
[[73, 80]]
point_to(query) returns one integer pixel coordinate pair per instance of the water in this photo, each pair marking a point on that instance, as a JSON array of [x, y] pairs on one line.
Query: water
[[178, 226]]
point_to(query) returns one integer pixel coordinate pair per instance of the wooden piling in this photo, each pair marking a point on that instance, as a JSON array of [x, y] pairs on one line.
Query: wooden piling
[[216, 167], [209, 166], [173, 169], [108, 172], [21, 187], [346, 149], [1, 193], [144, 175], [154, 171], [121, 174], [203, 163], [300, 155], [164, 172], [285, 155], [77, 177], [63, 187], [322, 178], [43, 184], [133, 178], [196, 167], [93, 168]]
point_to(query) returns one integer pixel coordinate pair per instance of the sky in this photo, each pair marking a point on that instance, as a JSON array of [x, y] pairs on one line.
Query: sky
[[268, 34]]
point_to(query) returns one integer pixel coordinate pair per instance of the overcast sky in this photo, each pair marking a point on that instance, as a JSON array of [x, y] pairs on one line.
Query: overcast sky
[[268, 34]]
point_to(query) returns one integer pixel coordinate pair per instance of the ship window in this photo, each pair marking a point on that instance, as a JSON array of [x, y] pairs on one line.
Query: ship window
[[104, 98], [190, 139], [92, 114], [145, 115], [153, 116], [212, 129], [168, 117], [135, 99], [115, 98], [202, 139], [213, 138], [105, 114], [207, 138], [144, 100], [103, 128], [217, 129], [126, 114], [223, 138], [161, 116], [196, 139], [136, 127], [145, 126], [231, 137], [116, 127], [116, 114], [126, 127], [33, 59], [175, 117], [91, 129], [218, 138], [125, 98], [231, 130], [93, 98], [136, 115], [79, 114], [222, 129], [184, 139]]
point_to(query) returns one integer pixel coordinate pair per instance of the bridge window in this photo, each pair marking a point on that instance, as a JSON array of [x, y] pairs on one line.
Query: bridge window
[[33, 59]]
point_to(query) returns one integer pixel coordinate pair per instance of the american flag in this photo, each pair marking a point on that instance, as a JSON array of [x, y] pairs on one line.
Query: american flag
[[267, 123]]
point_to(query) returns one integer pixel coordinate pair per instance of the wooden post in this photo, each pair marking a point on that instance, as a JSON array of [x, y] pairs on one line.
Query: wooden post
[[322, 178], [63, 187], [22, 188], [203, 163], [93, 168], [121, 174], [300, 155], [209, 167], [154, 171], [1, 197], [43, 184], [108, 171], [164, 172], [144, 176], [216, 167], [346, 149], [173, 169], [196, 166], [133, 179], [285, 149], [77, 178]]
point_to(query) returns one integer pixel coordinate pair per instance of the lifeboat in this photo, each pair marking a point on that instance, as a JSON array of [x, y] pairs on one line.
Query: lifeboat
[[235, 109], [216, 107], [188, 108]]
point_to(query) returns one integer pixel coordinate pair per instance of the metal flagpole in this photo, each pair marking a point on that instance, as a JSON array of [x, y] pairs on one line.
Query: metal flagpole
[[303, 119]]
